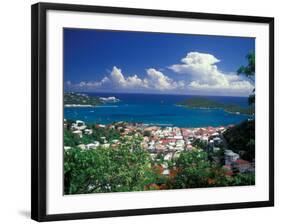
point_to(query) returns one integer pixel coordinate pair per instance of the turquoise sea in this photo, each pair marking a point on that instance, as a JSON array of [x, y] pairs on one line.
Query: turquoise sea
[[157, 109]]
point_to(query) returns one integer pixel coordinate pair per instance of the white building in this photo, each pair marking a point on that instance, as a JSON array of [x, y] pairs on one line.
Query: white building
[[78, 133], [88, 131], [230, 157], [204, 139], [170, 147], [179, 148], [178, 137], [151, 148], [153, 155], [93, 145], [78, 125], [211, 143], [67, 147], [82, 146], [217, 140], [215, 134], [172, 143], [103, 139], [166, 172], [114, 141], [168, 156]]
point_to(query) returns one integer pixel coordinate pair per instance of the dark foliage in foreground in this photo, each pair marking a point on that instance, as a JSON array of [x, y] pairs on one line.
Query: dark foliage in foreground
[[107, 170], [249, 71], [130, 168], [241, 139]]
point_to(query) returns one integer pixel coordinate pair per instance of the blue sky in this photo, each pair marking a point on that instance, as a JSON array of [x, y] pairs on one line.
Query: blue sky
[[121, 61]]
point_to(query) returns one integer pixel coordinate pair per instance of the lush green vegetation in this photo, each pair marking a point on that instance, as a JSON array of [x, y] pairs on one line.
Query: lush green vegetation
[[70, 139], [109, 133], [199, 144], [201, 102], [126, 168], [80, 99], [130, 168], [241, 139], [249, 72], [194, 170]]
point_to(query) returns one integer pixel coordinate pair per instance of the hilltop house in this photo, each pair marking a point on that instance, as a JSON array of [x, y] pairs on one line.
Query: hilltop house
[[78, 125], [230, 157]]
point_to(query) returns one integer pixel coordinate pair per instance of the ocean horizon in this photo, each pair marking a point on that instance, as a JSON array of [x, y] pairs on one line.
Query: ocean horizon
[[157, 109]]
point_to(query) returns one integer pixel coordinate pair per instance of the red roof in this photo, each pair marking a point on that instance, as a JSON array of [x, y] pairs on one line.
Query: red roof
[[165, 141], [242, 161]]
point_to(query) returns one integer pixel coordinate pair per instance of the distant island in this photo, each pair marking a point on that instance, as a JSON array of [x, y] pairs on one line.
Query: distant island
[[73, 99], [205, 103]]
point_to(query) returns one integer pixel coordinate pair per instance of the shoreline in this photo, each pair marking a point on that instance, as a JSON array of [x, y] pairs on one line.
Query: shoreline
[[178, 105], [147, 125], [215, 108], [79, 105]]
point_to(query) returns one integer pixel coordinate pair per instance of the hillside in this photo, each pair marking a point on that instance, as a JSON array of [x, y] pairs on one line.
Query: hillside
[[241, 139], [80, 99], [205, 103]]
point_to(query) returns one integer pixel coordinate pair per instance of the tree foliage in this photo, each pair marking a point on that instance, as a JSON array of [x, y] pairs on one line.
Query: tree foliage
[[70, 139], [249, 72], [126, 168], [200, 144], [108, 133], [194, 170], [242, 179], [241, 139]]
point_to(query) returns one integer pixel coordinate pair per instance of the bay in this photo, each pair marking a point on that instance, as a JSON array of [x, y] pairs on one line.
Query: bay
[[158, 110]]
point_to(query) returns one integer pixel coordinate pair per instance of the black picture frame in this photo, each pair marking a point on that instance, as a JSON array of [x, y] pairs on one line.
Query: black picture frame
[[38, 108]]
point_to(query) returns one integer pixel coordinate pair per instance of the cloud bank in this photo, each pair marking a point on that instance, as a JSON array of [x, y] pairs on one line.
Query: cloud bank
[[197, 73], [204, 74], [154, 80]]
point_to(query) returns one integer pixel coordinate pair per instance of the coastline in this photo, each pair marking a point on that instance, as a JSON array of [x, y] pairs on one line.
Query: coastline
[[78, 105], [157, 110], [214, 108]]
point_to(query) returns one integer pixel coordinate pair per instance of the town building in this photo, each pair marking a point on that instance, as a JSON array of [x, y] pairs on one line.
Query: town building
[[230, 156]]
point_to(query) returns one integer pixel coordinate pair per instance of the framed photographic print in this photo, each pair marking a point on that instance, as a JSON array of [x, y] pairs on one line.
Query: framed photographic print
[[138, 111]]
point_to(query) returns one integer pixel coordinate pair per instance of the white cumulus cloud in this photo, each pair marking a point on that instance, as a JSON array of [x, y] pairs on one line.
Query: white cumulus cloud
[[199, 75], [119, 80], [203, 74], [154, 80], [158, 80]]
